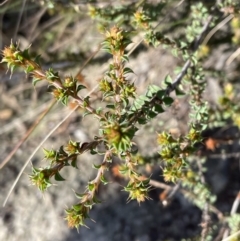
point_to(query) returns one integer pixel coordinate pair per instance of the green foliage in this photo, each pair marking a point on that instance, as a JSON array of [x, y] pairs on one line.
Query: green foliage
[[125, 111]]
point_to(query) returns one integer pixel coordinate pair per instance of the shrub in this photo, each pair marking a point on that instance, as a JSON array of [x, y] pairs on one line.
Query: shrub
[[125, 111]]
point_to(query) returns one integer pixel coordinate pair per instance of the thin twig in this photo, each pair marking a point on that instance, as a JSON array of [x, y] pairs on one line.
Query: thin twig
[[173, 191], [197, 43], [19, 20], [161, 185], [205, 213], [233, 211]]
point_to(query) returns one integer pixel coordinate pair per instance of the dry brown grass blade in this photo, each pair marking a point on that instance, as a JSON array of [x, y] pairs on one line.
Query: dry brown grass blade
[[27, 134]]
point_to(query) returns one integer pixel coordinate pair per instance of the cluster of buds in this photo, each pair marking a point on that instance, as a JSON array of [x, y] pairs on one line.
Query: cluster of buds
[[40, 178], [77, 214], [14, 57], [138, 185], [141, 20], [115, 83], [174, 152], [118, 136], [116, 41]]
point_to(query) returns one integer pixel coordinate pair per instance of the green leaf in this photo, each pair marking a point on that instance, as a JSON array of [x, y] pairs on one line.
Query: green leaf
[[86, 113], [152, 89], [125, 58], [74, 163], [111, 67], [161, 93], [168, 80], [99, 110], [35, 170], [204, 126], [12, 67], [93, 152], [91, 186], [127, 70], [183, 44], [158, 108], [107, 49], [103, 180], [25, 54], [175, 52], [86, 101], [96, 166], [168, 100], [146, 182], [80, 87], [79, 195], [108, 94], [58, 177], [95, 200], [35, 81], [49, 153], [29, 69], [37, 59], [142, 121], [123, 170], [137, 106], [194, 60], [198, 116], [64, 100], [143, 98], [88, 204], [77, 207], [179, 92], [110, 106], [61, 150], [152, 114]]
